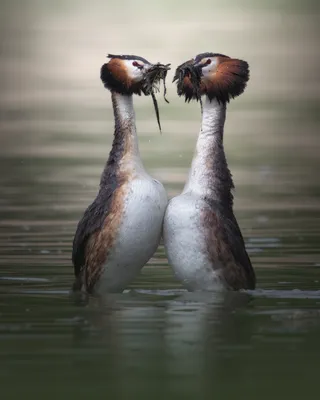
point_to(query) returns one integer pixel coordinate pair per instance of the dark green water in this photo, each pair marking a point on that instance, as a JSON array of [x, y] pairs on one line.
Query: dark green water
[[156, 340]]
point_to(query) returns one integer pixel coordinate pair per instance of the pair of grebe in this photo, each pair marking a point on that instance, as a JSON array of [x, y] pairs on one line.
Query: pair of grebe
[[121, 230]]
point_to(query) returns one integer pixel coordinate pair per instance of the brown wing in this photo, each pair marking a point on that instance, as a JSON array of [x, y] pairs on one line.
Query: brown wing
[[89, 227], [95, 235], [226, 248]]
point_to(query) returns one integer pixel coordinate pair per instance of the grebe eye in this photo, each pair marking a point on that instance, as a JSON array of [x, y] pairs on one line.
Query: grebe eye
[[208, 62], [136, 64]]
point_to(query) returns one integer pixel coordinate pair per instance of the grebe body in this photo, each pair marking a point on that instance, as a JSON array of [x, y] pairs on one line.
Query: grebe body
[[121, 229], [203, 241], [137, 235], [186, 243]]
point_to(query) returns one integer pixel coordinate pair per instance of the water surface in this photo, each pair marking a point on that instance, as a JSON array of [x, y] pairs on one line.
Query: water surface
[[156, 340]]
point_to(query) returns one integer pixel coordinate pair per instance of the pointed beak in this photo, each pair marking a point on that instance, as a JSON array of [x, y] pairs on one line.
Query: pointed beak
[[188, 77], [183, 70], [154, 73]]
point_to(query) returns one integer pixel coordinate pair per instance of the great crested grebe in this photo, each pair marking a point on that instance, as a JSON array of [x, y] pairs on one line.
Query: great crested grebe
[[120, 231], [202, 238]]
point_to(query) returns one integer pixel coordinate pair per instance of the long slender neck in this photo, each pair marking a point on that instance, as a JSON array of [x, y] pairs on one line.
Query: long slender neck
[[124, 154], [125, 133], [209, 175]]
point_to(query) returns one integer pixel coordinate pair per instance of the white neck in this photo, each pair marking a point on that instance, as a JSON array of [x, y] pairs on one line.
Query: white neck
[[209, 169], [124, 104], [125, 126]]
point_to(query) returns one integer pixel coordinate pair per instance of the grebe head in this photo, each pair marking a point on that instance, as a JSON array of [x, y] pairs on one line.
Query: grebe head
[[132, 74], [215, 75], [128, 74]]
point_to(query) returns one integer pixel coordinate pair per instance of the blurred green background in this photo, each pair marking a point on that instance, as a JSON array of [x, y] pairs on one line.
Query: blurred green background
[[56, 130]]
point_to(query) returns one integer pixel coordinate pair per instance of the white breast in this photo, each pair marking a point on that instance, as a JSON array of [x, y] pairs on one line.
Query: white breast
[[185, 243], [138, 236]]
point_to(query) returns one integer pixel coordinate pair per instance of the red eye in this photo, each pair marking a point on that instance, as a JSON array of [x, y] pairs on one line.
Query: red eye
[[208, 62], [136, 64]]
